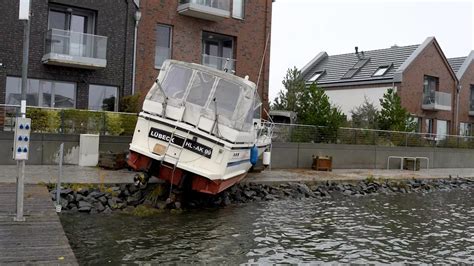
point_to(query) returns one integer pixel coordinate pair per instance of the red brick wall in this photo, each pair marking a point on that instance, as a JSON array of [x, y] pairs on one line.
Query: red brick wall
[[250, 34], [466, 81], [430, 62]]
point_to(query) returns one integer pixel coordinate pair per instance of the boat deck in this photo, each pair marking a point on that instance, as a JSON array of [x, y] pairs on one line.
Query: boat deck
[[38, 240]]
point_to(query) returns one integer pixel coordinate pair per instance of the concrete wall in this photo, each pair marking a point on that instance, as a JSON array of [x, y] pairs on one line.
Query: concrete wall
[[44, 148], [299, 155]]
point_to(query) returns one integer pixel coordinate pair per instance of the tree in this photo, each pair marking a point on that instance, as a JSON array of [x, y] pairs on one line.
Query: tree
[[314, 108], [393, 116], [288, 98], [365, 116]]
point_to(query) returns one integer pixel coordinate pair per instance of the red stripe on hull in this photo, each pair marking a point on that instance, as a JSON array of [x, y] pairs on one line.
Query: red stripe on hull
[[204, 185]]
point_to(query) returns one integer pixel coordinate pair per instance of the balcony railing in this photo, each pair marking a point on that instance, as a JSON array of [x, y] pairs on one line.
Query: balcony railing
[[220, 63], [437, 100], [75, 49], [214, 10]]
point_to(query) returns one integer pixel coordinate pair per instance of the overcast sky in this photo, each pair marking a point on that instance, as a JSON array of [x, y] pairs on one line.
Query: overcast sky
[[303, 28]]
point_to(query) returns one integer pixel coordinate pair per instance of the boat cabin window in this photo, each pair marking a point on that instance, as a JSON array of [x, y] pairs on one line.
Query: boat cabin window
[[227, 95], [177, 81], [200, 88]]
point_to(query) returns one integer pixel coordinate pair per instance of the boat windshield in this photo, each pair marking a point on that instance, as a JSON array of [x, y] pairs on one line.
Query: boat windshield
[[206, 92]]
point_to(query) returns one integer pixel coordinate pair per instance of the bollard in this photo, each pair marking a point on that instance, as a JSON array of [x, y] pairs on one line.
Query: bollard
[[58, 185]]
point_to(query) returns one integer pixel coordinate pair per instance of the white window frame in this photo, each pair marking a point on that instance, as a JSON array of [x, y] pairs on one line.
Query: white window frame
[[238, 4], [170, 42], [381, 71]]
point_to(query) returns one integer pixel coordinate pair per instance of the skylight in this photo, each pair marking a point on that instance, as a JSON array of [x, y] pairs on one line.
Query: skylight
[[316, 76], [353, 70], [381, 71]]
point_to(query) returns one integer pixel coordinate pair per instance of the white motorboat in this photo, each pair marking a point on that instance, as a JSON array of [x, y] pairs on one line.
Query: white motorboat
[[197, 128]]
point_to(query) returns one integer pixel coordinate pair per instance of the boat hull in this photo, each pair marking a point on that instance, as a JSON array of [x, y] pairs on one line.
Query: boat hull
[[186, 157]]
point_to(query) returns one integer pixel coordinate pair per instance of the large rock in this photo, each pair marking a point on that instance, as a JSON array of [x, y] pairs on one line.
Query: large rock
[[84, 206], [135, 198], [98, 206], [96, 194], [250, 193], [103, 200]]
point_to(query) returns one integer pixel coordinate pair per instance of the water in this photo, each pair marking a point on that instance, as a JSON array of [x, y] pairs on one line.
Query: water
[[436, 227]]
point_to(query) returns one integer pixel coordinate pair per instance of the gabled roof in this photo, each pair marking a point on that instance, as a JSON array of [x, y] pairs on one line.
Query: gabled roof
[[337, 65], [398, 58], [456, 62], [460, 64]]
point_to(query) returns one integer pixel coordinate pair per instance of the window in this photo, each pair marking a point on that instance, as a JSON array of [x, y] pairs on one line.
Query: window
[[71, 19], [176, 81], [227, 95], [316, 76], [442, 129], [71, 25], [429, 125], [430, 86], [44, 93], [353, 70], [465, 129], [217, 49], [201, 88], [103, 98], [381, 71], [471, 102], [163, 44], [238, 9]]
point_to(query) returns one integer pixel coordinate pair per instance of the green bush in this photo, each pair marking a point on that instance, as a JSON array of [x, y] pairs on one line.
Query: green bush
[[76, 121], [113, 124], [130, 103], [44, 120]]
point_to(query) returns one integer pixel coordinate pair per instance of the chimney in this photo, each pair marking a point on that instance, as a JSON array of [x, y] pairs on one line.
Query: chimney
[[357, 50]]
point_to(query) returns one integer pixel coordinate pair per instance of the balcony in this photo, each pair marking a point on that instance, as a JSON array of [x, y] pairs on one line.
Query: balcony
[[75, 49], [437, 101], [220, 63], [214, 10]]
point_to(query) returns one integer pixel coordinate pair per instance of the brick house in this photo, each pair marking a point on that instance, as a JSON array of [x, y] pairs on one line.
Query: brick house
[[219, 33], [421, 75], [80, 54], [464, 68]]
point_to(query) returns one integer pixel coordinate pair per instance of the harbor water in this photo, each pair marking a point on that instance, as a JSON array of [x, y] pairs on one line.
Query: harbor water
[[435, 227]]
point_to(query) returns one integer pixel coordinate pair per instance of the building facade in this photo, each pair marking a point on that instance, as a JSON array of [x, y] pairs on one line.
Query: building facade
[[464, 68], [224, 34], [421, 75], [80, 54]]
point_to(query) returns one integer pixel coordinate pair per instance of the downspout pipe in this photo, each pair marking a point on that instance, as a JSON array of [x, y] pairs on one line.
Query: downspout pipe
[[134, 67], [457, 125]]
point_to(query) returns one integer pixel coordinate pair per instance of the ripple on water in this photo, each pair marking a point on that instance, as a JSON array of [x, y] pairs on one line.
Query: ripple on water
[[435, 227]]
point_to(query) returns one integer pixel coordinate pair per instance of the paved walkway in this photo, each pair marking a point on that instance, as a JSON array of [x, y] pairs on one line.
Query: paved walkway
[[308, 175], [38, 240], [35, 174]]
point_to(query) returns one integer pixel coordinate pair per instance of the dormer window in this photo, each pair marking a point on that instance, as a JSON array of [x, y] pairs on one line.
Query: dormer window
[[316, 76], [382, 70], [353, 70]]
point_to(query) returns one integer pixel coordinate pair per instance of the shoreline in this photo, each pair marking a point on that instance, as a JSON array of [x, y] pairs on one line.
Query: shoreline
[[152, 199]]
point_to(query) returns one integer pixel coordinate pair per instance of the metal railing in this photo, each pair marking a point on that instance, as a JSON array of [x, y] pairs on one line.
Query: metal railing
[[358, 136], [219, 4], [220, 63], [75, 44], [70, 121], [437, 100]]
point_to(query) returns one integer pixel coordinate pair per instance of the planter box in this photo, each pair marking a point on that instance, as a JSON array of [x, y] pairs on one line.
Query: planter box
[[322, 163]]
